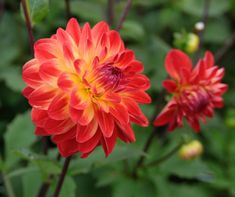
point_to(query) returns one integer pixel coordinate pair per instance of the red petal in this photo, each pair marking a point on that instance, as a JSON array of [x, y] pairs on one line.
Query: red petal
[[74, 30], [85, 133], [58, 108], [106, 123], [88, 146], [135, 113], [56, 127], [109, 143], [47, 48], [68, 147], [49, 71], [166, 116], [42, 97], [135, 67], [27, 91], [30, 73], [39, 117], [139, 96], [65, 136], [209, 59], [40, 132], [116, 44], [120, 113], [78, 100], [98, 30], [67, 81], [169, 85], [175, 62], [83, 117]]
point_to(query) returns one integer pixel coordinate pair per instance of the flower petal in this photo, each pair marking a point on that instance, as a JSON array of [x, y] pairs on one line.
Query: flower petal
[[175, 62]]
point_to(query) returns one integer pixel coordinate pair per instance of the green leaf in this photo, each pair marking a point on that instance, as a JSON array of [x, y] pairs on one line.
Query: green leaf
[[134, 188], [192, 7], [132, 30], [12, 78], [216, 32], [45, 165], [31, 183], [9, 46], [38, 10], [19, 134], [88, 10]]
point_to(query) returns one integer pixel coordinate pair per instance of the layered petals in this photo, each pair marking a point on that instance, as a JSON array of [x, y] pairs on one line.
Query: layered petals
[[85, 88], [196, 91]]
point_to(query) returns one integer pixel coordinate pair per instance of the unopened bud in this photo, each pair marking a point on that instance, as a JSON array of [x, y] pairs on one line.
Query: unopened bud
[[188, 42], [199, 26], [191, 150], [192, 43]]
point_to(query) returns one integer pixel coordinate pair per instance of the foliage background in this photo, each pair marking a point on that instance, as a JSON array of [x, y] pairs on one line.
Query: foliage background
[[148, 30]]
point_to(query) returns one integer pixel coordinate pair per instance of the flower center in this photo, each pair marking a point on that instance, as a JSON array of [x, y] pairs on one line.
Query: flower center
[[110, 76], [194, 100]]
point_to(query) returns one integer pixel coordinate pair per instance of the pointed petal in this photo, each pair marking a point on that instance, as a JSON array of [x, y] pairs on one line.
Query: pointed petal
[[106, 123], [74, 30], [58, 108], [175, 61], [85, 133]]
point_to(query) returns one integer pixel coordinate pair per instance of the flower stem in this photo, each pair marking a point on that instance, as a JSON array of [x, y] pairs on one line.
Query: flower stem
[[68, 8], [46, 184], [146, 149], [28, 24], [8, 185], [124, 15], [62, 176], [110, 12], [165, 157]]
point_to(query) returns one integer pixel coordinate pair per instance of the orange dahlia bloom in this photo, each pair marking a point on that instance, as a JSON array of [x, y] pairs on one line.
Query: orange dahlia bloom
[[84, 87], [195, 91]]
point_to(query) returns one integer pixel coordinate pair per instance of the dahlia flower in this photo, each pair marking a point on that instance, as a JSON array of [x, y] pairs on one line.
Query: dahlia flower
[[195, 91], [84, 87]]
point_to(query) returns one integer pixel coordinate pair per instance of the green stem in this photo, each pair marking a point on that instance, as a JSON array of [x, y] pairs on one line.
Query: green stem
[[8, 185], [164, 158], [62, 176]]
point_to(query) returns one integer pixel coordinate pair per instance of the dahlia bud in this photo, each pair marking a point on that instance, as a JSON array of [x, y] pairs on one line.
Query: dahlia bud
[[191, 150], [188, 42]]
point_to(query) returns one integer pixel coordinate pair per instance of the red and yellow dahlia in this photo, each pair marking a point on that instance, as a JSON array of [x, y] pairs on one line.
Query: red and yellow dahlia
[[84, 87], [195, 91]]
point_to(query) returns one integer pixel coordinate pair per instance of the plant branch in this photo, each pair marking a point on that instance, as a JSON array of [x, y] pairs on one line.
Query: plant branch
[[28, 24], [62, 176], [110, 12], [219, 55], [164, 158], [46, 184], [68, 8], [124, 15], [204, 21]]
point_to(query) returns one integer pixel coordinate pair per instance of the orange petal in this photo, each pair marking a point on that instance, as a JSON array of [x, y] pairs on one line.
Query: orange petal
[[83, 117], [58, 108], [74, 30], [120, 113], [106, 123], [42, 97], [30, 73], [85, 133]]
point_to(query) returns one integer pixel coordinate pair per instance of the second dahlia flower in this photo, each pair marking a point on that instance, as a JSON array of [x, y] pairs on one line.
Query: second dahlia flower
[[195, 91], [84, 87]]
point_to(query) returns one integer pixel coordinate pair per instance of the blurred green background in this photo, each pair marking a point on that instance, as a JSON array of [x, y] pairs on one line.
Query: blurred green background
[[149, 30]]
